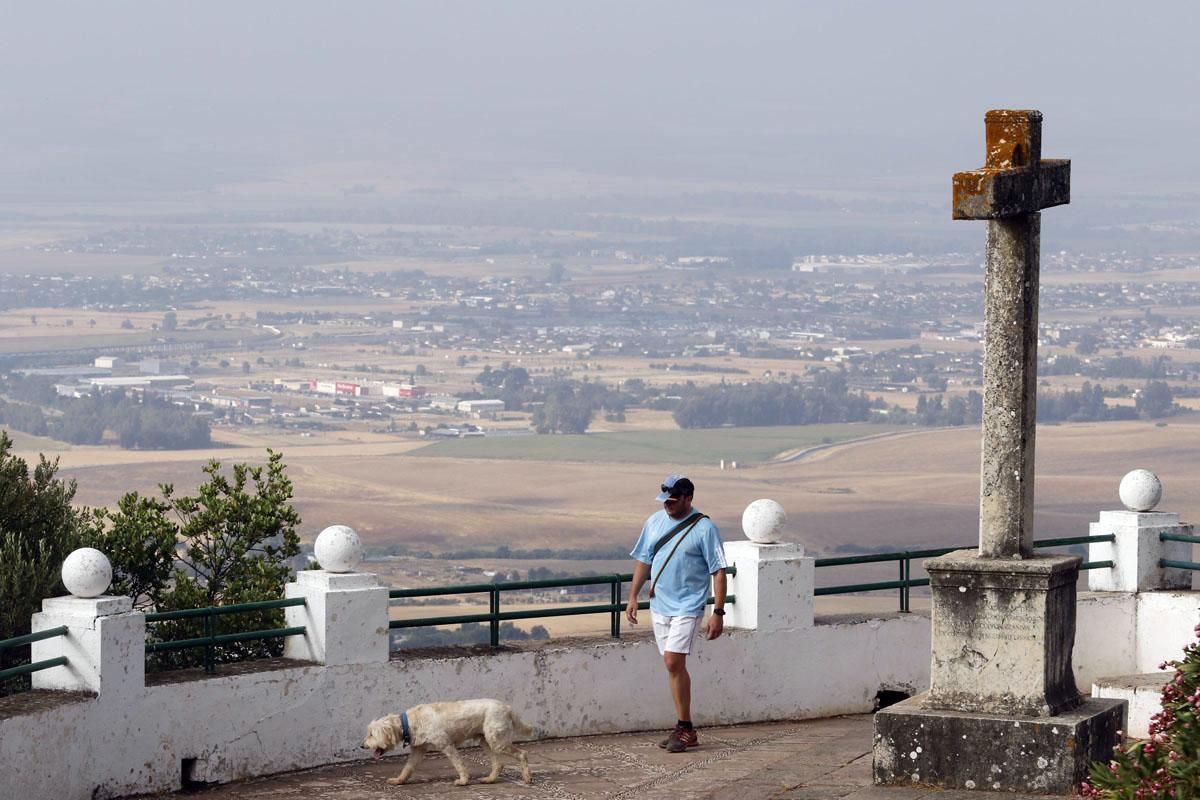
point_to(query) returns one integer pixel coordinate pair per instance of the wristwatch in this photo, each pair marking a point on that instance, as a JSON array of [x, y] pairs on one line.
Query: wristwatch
[[720, 612]]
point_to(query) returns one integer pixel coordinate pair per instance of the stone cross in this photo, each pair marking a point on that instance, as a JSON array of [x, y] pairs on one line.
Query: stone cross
[[1009, 191]]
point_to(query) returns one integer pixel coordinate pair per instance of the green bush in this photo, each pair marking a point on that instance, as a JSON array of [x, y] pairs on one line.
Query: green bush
[[38, 529]]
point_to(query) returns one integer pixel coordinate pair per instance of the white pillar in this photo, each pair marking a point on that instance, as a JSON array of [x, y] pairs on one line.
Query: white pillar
[[105, 645], [1136, 551], [773, 585], [345, 616]]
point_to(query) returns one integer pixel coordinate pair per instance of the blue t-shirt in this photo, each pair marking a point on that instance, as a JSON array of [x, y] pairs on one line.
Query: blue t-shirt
[[682, 589]]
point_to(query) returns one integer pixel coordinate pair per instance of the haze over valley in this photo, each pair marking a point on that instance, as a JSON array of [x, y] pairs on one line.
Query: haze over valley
[[485, 273]]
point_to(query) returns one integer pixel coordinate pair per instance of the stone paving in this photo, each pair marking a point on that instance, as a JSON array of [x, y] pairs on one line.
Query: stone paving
[[824, 759]]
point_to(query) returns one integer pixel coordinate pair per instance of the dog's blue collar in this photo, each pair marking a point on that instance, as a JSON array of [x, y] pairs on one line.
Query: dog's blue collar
[[404, 728]]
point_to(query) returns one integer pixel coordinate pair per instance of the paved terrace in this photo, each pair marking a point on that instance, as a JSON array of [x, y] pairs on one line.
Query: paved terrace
[[823, 759]]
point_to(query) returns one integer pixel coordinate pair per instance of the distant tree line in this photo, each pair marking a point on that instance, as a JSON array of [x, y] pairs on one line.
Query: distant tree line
[[567, 408], [610, 552], [936, 410], [826, 400], [1154, 400], [468, 633], [144, 423], [1087, 404], [24, 417], [698, 367], [510, 384], [561, 405]]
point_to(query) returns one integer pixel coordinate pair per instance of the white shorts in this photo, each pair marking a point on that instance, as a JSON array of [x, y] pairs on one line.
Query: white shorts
[[675, 634]]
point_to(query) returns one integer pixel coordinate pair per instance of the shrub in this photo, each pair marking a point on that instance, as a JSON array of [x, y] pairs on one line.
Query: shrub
[[39, 527]]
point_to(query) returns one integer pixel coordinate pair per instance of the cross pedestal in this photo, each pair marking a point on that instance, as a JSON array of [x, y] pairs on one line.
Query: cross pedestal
[[1002, 711], [1003, 632]]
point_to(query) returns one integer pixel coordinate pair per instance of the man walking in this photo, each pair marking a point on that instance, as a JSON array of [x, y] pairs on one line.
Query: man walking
[[678, 551]]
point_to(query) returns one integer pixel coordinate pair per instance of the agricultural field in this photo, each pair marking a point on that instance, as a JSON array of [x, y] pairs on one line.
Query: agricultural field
[[909, 489], [744, 446], [900, 490]]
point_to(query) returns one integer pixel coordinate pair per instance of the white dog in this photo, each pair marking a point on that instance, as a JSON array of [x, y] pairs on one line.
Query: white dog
[[444, 726]]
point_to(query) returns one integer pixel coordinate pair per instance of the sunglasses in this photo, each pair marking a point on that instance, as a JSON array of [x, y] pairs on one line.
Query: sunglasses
[[675, 493]]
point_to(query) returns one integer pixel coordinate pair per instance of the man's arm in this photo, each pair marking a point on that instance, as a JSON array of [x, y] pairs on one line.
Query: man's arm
[[716, 622], [641, 573]]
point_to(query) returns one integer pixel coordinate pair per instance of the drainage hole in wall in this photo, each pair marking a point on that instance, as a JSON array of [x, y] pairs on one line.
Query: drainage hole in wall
[[889, 697], [187, 776]]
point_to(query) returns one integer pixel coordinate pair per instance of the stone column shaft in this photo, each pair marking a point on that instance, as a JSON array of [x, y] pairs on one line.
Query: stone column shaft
[[1010, 387]]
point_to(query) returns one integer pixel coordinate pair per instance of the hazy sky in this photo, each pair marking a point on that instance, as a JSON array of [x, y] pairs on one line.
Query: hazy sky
[[864, 94]]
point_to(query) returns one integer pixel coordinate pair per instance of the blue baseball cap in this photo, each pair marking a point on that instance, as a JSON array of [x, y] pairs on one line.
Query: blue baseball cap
[[675, 486]]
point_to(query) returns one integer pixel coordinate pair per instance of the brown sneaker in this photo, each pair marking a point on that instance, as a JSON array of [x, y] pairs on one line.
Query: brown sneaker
[[679, 740]]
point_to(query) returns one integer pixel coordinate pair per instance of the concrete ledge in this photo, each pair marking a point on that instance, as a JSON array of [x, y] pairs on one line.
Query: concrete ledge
[[959, 750], [1143, 693]]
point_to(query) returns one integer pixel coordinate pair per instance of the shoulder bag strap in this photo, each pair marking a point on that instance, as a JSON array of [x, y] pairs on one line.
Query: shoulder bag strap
[[691, 523], [666, 537]]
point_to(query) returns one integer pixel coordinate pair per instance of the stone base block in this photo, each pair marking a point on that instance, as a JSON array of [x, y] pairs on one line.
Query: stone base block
[[962, 750], [1143, 693]]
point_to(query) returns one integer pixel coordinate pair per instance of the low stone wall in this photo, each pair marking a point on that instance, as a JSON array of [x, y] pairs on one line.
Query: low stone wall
[[224, 727]]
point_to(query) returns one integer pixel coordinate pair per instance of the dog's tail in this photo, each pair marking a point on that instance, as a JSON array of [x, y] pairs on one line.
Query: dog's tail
[[519, 726]]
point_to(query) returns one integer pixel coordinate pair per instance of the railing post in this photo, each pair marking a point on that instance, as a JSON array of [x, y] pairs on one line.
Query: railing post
[[345, 616], [210, 665], [494, 609], [105, 647], [616, 601], [774, 586]]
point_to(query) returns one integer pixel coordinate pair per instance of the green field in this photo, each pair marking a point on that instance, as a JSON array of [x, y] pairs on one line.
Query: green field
[[747, 445]]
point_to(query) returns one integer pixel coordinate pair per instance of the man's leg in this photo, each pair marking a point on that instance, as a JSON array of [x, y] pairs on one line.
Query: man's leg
[[681, 684], [684, 735], [675, 636]]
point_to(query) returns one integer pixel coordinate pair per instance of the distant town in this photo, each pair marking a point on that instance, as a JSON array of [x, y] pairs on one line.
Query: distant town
[[462, 352]]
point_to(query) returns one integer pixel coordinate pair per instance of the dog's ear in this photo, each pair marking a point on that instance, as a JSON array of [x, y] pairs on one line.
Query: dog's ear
[[395, 731]]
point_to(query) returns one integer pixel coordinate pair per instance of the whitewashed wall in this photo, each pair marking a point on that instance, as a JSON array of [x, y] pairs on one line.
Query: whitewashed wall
[[1105, 636], [238, 726]]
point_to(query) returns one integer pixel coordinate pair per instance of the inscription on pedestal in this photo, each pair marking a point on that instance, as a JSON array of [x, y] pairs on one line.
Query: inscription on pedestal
[[1011, 629]]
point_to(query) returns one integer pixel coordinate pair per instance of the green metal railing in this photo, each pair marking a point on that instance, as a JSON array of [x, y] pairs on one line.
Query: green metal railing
[[1178, 537], [210, 641], [36, 666], [494, 616], [904, 559]]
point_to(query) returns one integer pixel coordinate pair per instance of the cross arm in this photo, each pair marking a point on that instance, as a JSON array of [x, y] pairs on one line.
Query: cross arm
[[991, 193]]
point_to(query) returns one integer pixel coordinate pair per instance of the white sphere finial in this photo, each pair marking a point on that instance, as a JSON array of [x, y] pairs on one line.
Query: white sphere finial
[[763, 521], [86, 572], [338, 549], [1140, 490]]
